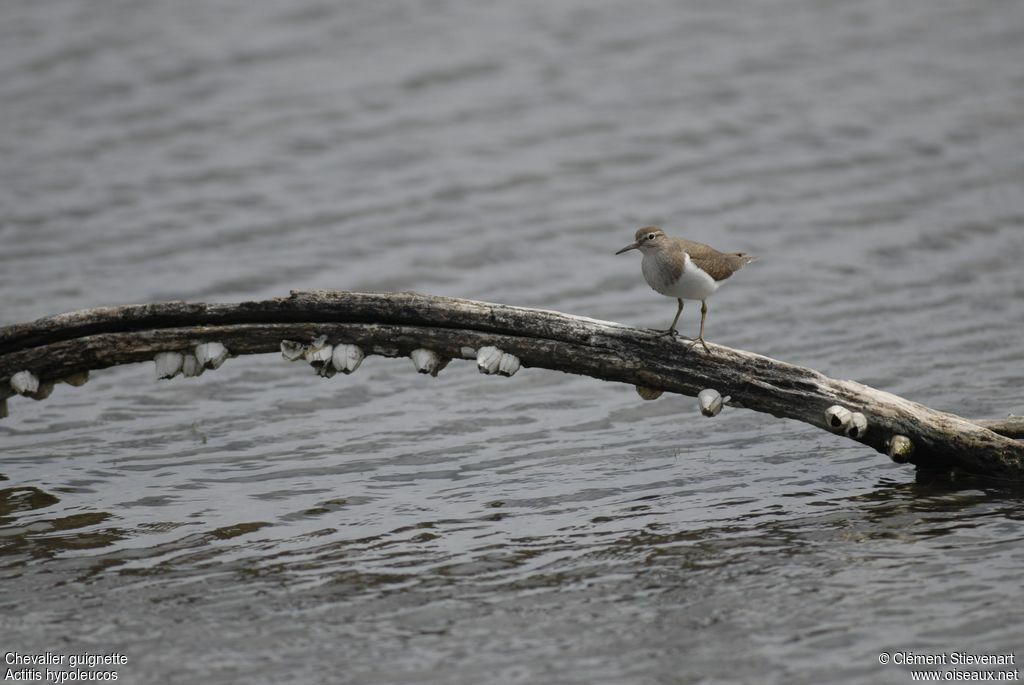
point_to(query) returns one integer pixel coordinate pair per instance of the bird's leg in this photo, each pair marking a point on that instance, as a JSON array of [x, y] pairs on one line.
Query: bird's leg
[[672, 329], [703, 315]]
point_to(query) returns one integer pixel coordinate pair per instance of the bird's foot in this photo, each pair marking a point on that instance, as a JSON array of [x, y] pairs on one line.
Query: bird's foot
[[670, 332], [703, 344]]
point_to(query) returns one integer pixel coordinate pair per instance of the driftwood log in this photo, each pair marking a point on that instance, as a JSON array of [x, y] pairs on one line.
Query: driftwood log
[[67, 346]]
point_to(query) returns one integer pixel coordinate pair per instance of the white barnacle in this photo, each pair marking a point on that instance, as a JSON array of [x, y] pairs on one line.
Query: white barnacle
[[648, 393], [900, 448], [427, 361], [211, 355], [488, 359], [710, 402], [467, 352], [76, 379], [292, 351], [190, 366], [168, 364], [508, 364], [347, 358], [838, 418], [858, 426], [318, 355], [24, 383]]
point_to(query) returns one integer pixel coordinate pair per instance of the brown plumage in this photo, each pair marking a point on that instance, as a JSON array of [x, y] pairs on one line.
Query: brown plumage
[[718, 265]]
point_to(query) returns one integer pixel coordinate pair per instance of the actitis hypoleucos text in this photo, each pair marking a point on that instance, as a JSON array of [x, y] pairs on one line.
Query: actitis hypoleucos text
[[684, 269]]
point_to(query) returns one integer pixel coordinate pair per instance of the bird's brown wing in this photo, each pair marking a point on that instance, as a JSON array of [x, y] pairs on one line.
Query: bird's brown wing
[[718, 265]]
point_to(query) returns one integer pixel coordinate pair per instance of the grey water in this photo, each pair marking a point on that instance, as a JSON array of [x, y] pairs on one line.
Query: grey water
[[262, 525]]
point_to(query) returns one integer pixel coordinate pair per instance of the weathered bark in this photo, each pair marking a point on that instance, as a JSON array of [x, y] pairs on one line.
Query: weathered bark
[[394, 324], [1011, 426]]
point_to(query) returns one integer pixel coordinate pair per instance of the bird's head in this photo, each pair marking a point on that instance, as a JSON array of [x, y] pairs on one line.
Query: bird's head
[[647, 238]]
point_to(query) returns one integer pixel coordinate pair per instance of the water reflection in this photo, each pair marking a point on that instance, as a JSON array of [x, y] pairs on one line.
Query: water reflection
[[46, 538], [14, 500], [641, 533]]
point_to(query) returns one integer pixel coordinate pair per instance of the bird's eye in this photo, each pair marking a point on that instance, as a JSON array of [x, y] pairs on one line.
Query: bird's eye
[[650, 236]]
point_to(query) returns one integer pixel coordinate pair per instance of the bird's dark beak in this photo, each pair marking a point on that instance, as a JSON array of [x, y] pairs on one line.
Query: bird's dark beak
[[627, 248]]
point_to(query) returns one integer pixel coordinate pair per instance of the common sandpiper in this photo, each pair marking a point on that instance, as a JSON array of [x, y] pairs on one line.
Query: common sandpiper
[[684, 269]]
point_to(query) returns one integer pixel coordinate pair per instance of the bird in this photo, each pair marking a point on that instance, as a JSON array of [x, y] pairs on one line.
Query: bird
[[685, 270]]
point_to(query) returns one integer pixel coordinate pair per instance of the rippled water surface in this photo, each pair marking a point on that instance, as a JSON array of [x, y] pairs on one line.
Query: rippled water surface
[[261, 525]]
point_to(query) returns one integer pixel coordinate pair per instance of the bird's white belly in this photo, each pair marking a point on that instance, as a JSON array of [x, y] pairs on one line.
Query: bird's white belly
[[692, 284]]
